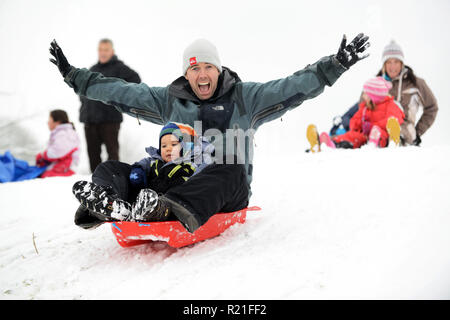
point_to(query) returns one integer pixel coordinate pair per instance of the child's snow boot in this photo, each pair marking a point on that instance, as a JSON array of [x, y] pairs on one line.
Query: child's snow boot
[[393, 128], [101, 201], [325, 138], [150, 207], [344, 145], [313, 137], [84, 219], [374, 136]]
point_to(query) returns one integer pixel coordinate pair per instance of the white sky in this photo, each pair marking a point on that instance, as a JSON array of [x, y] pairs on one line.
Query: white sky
[[261, 40]]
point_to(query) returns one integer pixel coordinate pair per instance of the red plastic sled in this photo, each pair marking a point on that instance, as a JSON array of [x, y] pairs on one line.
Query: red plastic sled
[[134, 233]]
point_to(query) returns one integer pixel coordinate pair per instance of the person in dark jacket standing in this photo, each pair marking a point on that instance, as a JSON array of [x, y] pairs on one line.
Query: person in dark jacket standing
[[101, 122]]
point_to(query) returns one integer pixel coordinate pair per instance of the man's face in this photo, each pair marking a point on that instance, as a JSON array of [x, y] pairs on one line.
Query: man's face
[[105, 52], [203, 78], [393, 67]]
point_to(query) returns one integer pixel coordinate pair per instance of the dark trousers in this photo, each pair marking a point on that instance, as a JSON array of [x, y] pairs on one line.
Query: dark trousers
[[116, 174], [217, 188], [98, 134]]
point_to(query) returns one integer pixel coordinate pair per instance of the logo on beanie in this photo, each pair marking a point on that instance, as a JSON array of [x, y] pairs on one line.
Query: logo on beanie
[[193, 61]]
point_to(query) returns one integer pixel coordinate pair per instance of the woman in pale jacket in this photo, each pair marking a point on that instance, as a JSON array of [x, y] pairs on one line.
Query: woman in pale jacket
[[62, 153]]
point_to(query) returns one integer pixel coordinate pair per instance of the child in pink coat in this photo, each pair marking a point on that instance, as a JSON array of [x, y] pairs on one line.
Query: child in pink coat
[[370, 122], [62, 153]]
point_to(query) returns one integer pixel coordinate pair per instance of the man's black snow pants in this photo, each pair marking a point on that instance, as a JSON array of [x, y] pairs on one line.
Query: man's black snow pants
[[217, 188], [98, 134]]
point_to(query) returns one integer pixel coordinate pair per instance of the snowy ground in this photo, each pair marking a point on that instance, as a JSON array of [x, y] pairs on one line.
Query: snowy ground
[[344, 224], [352, 232]]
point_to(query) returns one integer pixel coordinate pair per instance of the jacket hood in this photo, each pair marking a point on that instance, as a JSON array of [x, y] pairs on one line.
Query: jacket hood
[[406, 72], [181, 89], [153, 153], [63, 127]]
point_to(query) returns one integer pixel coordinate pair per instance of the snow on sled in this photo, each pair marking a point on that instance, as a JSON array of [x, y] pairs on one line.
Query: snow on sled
[[173, 232]]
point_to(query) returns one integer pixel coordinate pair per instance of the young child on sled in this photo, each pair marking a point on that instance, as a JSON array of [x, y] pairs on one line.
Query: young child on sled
[[377, 120], [178, 157]]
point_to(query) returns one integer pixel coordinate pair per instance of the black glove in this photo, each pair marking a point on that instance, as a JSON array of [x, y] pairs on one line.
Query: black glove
[[417, 141], [349, 54], [60, 60]]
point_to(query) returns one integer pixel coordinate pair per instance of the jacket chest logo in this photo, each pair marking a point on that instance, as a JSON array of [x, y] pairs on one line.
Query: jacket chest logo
[[218, 108]]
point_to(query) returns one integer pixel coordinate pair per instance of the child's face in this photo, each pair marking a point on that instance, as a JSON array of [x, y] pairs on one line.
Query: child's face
[[369, 103], [170, 148], [51, 123], [366, 98]]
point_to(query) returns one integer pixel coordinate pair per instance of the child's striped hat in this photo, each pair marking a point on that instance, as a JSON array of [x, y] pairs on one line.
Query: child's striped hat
[[178, 130], [377, 89]]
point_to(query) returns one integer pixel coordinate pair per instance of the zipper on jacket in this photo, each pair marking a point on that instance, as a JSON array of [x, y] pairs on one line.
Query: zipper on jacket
[[265, 113], [137, 117], [149, 114], [156, 167]]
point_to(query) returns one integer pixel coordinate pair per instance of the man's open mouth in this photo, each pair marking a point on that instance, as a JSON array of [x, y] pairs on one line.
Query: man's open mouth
[[204, 87]]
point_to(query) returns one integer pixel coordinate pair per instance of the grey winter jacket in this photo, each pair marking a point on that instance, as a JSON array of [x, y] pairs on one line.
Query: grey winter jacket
[[235, 104], [95, 112]]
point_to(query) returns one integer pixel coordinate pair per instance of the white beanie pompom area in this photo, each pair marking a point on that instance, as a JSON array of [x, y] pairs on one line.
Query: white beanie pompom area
[[393, 50], [201, 50]]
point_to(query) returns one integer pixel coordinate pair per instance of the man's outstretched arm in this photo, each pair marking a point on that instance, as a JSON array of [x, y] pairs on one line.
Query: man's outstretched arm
[[268, 101], [137, 100]]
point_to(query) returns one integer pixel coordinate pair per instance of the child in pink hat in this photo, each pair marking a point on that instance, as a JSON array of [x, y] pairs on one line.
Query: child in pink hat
[[377, 89], [369, 122]]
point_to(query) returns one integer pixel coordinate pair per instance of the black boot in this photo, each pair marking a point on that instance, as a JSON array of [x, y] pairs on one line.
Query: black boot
[[150, 207], [344, 145], [101, 201], [182, 214], [84, 219]]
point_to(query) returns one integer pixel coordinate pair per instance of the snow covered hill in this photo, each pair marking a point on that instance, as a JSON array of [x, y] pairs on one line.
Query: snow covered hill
[[340, 224], [355, 224]]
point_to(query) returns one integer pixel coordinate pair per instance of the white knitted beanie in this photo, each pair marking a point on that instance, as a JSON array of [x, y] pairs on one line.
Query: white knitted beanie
[[392, 50], [201, 50]]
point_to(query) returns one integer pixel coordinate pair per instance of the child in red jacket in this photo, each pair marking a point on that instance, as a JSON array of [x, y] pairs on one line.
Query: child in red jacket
[[377, 115]]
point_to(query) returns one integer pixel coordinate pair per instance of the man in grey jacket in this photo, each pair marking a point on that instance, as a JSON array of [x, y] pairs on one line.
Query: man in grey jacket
[[214, 95]]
